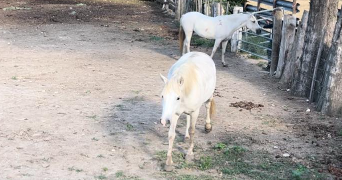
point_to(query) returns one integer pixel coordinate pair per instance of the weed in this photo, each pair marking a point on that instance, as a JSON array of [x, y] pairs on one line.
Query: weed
[[119, 174], [94, 139], [100, 156], [220, 146], [339, 132], [193, 177], [74, 169], [156, 38], [297, 173], [14, 78], [129, 127], [105, 169], [92, 117], [101, 177], [234, 152], [205, 163]]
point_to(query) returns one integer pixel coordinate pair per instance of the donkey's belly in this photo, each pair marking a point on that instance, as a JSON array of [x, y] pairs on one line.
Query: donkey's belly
[[205, 29]]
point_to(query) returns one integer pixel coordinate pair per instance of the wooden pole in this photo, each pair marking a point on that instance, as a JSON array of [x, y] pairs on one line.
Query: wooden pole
[[297, 52], [236, 35], [258, 5], [277, 23], [294, 7], [330, 102], [288, 34]]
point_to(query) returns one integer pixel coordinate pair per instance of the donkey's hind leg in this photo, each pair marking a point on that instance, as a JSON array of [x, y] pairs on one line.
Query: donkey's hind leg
[[224, 47], [190, 153], [208, 107]]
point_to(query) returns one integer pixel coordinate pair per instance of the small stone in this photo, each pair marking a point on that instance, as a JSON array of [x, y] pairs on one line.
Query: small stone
[[286, 155], [275, 147]]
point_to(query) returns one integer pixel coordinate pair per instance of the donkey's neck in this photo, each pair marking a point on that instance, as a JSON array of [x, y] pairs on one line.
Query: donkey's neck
[[239, 23]]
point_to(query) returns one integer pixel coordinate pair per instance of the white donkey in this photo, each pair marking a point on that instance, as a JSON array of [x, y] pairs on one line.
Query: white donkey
[[190, 83], [220, 28]]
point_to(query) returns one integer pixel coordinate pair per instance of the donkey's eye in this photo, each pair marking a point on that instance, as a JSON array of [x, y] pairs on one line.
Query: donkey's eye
[[178, 98], [253, 21], [162, 97]]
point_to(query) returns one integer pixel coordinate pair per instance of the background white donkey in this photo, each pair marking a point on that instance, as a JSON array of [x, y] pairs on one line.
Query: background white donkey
[[220, 28], [190, 83]]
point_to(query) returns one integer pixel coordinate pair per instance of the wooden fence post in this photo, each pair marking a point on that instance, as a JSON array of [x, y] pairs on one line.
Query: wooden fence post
[[298, 51], [237, 34], [277, 23], [331, 103], [288, 33]]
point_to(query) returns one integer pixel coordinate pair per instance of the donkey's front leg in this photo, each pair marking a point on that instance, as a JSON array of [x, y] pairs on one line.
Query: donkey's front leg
[[216, 45], [224, 47], [172, 135], [187, 136], [190, 153]]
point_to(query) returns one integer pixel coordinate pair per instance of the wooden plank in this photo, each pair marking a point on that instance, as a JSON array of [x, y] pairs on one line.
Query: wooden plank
[[288, 35], [297, 52], [277, 24], [236, 35], [318, 58]]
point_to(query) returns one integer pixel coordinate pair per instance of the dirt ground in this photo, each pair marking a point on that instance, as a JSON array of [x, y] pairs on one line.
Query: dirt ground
[[80, 99]]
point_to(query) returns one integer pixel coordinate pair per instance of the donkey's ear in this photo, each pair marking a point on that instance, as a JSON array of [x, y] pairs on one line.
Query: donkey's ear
[[164, 79], [181, 81]]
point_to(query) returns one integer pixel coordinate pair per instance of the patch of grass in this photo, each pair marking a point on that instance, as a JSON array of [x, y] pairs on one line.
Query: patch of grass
[[220, 146], [156, 38], [100, 177], [105, 169], [122, 107], [75, 169], [205, 163], [193, 177], [339, 133], [234, 152], [199, 41], [92, 117], [94, 139], [129, 127], [14, 78], [100, 156], [119, 174]]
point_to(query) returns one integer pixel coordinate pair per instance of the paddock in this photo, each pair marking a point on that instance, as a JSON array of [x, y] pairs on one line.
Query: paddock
[[80, 99]]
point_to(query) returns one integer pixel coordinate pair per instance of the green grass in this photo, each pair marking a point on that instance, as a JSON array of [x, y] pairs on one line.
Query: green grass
[[105, 169], [199, 41], [92, 117], [14, 78], [119, 174], [339, 133], [129, 127], [193, 177], [205, 163], [101, 177], [255, 49], [100, 156], [220, 146], [156, 38], [75, 169]]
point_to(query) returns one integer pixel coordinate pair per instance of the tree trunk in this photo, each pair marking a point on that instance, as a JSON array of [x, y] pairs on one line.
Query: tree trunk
[[322, 15]]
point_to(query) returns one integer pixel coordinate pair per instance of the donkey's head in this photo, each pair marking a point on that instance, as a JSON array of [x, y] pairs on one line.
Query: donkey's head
[[171, 98], [252, 24]]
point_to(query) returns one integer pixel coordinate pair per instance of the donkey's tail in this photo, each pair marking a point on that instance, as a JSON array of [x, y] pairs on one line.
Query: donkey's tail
[[212, 108], [181, 35]]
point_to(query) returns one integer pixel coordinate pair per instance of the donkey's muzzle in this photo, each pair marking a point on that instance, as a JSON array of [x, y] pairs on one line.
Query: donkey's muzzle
[[258, 31]]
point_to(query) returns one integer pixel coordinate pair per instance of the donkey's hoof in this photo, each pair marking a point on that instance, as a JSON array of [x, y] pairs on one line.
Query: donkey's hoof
[[189, 158], [169, 168], [208, 128], [225, 65]]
